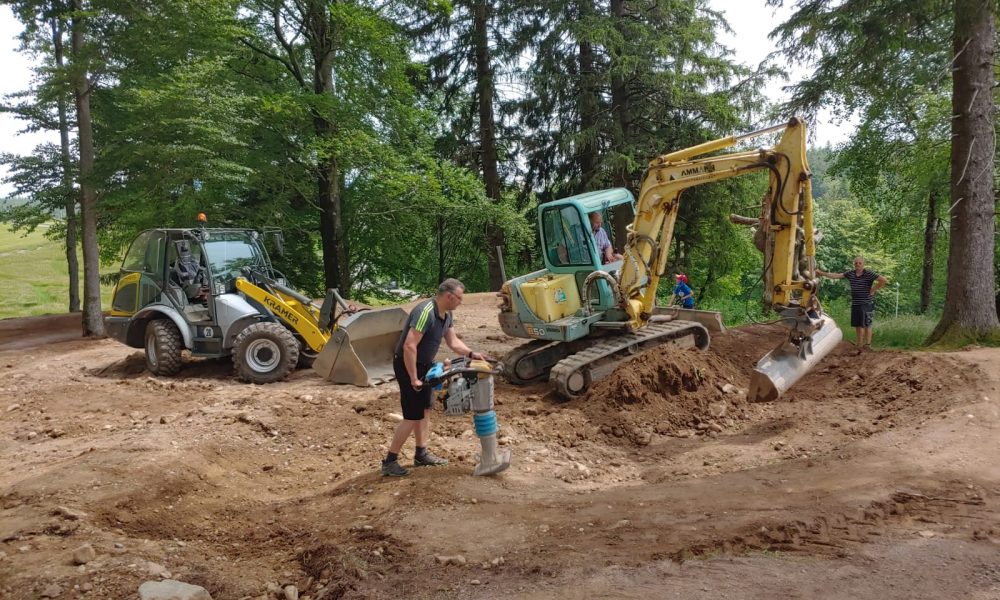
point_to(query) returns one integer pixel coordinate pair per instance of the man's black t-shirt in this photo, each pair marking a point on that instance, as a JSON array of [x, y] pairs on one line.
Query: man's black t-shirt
[[425, 319]]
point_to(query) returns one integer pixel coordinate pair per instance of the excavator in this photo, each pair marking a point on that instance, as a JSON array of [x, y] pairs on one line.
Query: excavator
[[585, 317]]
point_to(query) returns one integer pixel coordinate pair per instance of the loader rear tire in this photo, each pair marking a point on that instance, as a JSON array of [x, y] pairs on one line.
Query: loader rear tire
[[163, 347], [264, 353]]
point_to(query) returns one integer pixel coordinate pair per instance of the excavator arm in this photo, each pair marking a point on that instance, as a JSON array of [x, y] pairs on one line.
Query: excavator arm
[[789, 243], [787, 216]]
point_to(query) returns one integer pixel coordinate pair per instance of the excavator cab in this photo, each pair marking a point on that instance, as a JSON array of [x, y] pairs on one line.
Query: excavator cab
[[547, 303]]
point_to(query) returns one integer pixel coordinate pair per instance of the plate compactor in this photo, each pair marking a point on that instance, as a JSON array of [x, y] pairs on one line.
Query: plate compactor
[[466, 386]]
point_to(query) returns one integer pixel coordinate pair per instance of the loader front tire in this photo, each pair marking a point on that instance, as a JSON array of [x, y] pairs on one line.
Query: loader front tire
[[264, 353], [163, 347], [306, 356]]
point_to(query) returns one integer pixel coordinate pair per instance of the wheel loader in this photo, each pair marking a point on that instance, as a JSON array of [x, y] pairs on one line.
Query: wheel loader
[[215, 293], [584, 317]]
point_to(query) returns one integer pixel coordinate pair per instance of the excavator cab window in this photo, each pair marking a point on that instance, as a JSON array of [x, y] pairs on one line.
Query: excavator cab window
[[566, 237]]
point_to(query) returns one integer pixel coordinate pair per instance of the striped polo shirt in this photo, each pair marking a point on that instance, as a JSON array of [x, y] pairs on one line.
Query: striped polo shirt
[[861, 285], [425, 319]]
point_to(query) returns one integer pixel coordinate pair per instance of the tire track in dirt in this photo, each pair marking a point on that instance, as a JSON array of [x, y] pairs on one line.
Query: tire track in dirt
[[967, 514]]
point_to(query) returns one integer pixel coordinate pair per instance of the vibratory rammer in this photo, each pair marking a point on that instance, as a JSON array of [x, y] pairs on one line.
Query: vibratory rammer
[[465, 386]]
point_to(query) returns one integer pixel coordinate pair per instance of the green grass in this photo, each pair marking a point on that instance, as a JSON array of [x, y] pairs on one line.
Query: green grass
[[33, 276], [905, 332], [902, 332]]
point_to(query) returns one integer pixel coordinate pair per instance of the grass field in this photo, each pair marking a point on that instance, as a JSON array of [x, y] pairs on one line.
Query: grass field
[[33, 276], [902, 332]]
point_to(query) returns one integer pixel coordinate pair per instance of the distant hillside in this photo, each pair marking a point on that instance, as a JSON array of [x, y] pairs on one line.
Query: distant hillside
[[12, 201]]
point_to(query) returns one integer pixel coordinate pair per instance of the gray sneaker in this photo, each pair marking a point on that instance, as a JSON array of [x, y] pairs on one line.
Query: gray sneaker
[[394, 469], [429, 460]]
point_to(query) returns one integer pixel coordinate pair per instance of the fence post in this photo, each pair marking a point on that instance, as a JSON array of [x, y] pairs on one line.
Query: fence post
[[897, 299]]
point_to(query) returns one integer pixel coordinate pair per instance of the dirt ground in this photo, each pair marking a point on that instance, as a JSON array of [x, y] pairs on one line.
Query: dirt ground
[[877, 476]]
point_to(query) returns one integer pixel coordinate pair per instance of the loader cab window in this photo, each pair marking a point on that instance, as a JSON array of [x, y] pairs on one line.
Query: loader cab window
[[146, 254], [187, 268], [566, 237], [141, 277], [229, 252]]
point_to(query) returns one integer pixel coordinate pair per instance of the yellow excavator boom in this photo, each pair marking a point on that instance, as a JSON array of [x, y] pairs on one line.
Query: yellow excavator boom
[[787, 220]]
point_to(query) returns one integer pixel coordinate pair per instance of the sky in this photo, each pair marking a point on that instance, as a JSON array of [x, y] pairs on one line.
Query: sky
[[15, 76], [750, 20]]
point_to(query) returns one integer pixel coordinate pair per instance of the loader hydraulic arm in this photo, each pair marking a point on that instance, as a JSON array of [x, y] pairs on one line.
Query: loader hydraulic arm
[[787, 216], [292, 308]]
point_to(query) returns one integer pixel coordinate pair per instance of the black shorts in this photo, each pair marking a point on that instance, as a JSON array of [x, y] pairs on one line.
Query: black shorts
[[862, 315], [413, 402]]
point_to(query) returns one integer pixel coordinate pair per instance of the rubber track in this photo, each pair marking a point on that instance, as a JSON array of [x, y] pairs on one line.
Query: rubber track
[[561, 372], [511, 359]]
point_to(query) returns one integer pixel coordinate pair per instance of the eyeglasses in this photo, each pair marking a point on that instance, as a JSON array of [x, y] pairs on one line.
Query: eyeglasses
[[456, 296]]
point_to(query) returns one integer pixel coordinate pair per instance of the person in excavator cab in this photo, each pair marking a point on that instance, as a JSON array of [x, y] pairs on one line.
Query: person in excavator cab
[[608, 254]]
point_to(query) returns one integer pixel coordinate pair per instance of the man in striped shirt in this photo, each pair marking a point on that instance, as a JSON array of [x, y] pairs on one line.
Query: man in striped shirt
[[864, 285]]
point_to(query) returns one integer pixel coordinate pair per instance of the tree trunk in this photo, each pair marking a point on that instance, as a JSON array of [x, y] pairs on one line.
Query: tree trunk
[[588, 106], [73, 265], [330, 224], [969, 307], [930, 238], [487, 136], [331, 227], [93, 319], [622, 134], [440, 248]]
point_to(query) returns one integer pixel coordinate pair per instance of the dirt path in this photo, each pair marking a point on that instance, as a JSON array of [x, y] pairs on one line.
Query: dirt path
[[876, 477]]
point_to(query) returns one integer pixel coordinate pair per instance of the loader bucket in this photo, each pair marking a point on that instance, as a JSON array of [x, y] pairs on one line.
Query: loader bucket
[[361, 347], [786, 364]]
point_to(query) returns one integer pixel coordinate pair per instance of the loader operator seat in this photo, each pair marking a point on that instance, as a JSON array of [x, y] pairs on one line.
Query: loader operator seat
[[189, 273]]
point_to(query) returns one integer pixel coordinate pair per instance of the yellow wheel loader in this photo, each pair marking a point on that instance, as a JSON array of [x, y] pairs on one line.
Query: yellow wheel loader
[[214, 293], [585, 316]]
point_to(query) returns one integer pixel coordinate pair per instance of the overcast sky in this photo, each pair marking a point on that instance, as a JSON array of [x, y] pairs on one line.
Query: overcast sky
[[751, 21]]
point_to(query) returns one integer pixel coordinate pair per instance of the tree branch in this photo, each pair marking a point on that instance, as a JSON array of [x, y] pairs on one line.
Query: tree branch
[[289, 49], [274, 57]]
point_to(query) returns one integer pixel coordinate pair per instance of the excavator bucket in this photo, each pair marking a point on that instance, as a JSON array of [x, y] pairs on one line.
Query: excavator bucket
[[361, 347], [786, 364]]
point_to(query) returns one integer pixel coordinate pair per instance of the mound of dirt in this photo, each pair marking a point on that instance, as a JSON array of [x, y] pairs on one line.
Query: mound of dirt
[[671, 392], [906, 386], [744, 346], [132, 365]]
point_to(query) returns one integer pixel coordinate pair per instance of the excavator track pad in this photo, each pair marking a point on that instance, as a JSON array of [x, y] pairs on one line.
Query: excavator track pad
[[573, 375]]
